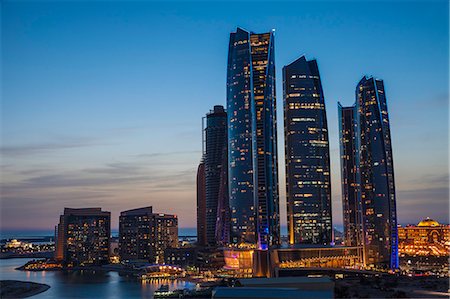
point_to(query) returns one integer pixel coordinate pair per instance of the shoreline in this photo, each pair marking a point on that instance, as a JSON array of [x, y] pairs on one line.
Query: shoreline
[[21, 289]]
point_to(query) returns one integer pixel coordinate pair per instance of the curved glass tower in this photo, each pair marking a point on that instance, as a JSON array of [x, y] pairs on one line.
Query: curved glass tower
[[307, 155], [252, 152], [376, 175], [368, 146]]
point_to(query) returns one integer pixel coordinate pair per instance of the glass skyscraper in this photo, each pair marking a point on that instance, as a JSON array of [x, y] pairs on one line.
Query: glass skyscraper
[[223, 206], [307, 155], [215, 151], [252, 140], [374, 185], [351, 206]]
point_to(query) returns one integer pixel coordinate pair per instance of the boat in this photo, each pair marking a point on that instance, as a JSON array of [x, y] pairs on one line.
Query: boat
[[163, 288]]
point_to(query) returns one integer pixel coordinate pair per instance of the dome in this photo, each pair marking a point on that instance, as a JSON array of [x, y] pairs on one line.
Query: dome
[[428, 222]]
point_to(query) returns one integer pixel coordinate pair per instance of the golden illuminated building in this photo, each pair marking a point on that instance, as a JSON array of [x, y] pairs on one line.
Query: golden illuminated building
[[427, 238], [242, 261]]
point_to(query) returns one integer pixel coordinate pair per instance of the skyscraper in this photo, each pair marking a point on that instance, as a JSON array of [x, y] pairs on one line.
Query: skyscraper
[[83, 237], [201, 205], [252, 140], [307, 155], [351, 206], [375, 187], [223, 206], [144, 235], [215, 150]]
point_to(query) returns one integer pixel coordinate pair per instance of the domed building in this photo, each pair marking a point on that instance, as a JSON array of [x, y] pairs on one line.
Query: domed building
[[428, 222], [428, 237]]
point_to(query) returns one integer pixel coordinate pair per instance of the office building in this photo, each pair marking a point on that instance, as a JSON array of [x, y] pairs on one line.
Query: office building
[[83, 237], [374, 174], [252, 140], [144, 235], [307, 155], [223, 206], [351, 206], [214, 155]]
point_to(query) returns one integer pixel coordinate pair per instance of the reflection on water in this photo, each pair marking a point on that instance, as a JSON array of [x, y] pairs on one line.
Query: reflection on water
[[86, 284]]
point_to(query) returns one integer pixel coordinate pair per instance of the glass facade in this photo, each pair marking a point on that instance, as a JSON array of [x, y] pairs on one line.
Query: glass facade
[[201, 205], [252, 152], [376, 174], [374, 184], [307, 155], [223, 206], [215, 150], [351, 207]]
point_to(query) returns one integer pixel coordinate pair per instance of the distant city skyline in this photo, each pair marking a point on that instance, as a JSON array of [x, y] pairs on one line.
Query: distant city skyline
[[102, 101]]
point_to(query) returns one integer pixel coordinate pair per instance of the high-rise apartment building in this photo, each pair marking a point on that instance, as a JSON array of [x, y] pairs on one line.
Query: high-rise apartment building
[[215, 151], [201, 204], [135, 242], [83, 237], [252, 140], [144, 235], [374, 183], [307, 155]]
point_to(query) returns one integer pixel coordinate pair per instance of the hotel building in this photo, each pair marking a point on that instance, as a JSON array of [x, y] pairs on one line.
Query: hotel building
[[307, 155], [83, 237], [427, 238]]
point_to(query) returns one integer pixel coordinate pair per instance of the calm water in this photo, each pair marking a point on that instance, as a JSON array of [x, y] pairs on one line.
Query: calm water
[[85, 285], [10, 234]]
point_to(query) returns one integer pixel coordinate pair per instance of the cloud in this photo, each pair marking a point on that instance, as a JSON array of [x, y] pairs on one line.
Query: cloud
[[414, 205], [40, 195], [167, 154], [435, 179], [31, 149]]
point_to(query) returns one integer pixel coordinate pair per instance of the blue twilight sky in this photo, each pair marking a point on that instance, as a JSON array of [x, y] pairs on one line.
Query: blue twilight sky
[[102, 101]]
